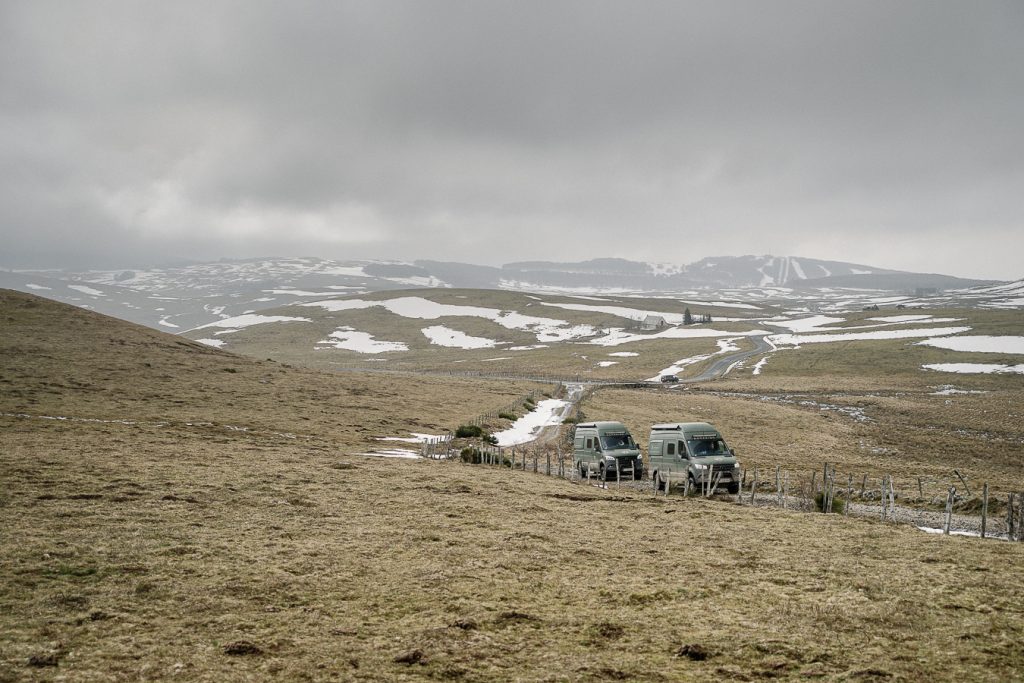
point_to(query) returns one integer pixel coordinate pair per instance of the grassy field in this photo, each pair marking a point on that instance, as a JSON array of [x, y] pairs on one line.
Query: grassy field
[[151, 538], [298, 343]]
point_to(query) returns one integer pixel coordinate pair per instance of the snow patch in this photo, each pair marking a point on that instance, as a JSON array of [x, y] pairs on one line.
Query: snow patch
[[212, 342], [547, 412], [362, 342], [446, 336], [545, 329], [979, 344], [248, 320], [976, 368], [798, 339], [86, 290], [37, 287]]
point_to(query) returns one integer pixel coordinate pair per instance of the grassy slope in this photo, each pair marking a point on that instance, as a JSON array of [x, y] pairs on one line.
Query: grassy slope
[[140, 551], [295, 342]]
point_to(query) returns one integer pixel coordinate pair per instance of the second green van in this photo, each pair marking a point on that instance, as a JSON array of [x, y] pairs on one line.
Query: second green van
[[694, 451]]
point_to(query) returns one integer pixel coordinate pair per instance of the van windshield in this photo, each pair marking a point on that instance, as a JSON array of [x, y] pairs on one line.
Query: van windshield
[[617, 442], [701, 446]]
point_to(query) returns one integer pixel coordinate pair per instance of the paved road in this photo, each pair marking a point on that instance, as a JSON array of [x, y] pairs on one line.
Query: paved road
[[721, 365]]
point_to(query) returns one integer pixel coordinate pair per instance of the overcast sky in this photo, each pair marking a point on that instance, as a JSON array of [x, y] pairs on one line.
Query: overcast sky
[[885, 133]]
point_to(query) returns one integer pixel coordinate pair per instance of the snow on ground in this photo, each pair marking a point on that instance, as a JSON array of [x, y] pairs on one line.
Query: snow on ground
[[812, 324], [950, 390], [624, 354], [615, 337], [760, 364], [446, 336], [393, 453], [528, 348], [1003, 303], [166, 322], [607, 363], [250, 319], [798, 339], [979, 344], [86, 290], [297, 292], [976, 368], [901, 318], [212, 342], [547, 412], [822, 323], [350, 340], [415, 438], [546, 329], [723, 304], [37, 287], [621, 311], [724, 346]]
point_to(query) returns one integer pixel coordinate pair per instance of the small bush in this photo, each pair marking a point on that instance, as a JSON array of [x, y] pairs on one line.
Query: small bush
[[490, 438], [508, 416], [838, 504], [470, 455], [469, 432]]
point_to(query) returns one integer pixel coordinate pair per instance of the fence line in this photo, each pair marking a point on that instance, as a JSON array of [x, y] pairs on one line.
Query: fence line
[[829, 493]]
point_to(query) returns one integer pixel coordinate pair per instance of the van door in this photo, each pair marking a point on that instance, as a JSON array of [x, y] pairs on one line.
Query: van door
[[654, 455]]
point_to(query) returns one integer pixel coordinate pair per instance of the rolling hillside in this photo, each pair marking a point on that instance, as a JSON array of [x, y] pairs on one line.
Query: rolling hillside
[[176, 512]]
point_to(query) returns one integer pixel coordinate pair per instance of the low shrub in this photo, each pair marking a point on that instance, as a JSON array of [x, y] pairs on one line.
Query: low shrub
[[469, 432], [508, 416], [838, 504], [470, 455]]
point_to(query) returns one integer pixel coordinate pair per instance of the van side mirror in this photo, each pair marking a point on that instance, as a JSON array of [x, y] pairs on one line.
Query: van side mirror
[[732, 452]]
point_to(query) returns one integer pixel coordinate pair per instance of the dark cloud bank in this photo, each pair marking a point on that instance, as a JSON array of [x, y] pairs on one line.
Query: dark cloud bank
[[881, 133]]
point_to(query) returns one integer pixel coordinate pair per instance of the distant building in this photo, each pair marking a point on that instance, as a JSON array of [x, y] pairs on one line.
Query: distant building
[[653, 322]]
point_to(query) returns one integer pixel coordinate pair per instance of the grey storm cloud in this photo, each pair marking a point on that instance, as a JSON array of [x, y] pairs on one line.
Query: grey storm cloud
[[882, 133]]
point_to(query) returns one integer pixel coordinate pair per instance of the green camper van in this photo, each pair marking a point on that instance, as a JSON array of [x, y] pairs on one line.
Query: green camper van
[[694, 451], [606, 450]]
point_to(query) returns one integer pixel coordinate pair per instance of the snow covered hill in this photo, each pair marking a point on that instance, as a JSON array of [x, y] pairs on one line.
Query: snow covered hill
[[180, 298]]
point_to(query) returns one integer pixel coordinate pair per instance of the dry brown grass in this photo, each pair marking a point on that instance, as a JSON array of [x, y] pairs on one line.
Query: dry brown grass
[[198, 552], [174, 555]]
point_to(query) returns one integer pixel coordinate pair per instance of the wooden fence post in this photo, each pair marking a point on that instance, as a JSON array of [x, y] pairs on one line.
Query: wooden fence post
[[949, 509], [739, 492], [1010, 519], [961, 478], [863, 486], [984, 508], [892, 498], [849, 495], [778, 485], [753, 487]]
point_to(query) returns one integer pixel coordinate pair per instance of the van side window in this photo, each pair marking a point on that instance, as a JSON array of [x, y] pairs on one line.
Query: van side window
[[579, 442], [670, 448], [682, 448], [654, 448], [590, 443]]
